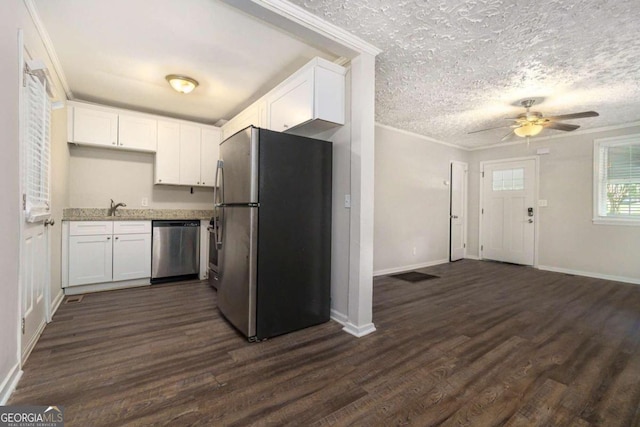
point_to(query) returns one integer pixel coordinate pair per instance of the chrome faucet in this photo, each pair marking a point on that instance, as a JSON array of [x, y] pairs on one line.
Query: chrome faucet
[[112, 209]]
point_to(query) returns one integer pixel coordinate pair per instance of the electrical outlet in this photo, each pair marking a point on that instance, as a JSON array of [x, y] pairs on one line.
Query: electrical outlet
[[347, 201], [144, 202], [415, 251]]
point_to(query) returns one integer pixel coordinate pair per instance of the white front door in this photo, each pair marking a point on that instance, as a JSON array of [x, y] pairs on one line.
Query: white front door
[[507, 211], [34, 266], [458, 210]]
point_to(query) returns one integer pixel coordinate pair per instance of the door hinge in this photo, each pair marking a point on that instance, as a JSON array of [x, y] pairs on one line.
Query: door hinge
[[483, 174], [482, 247], [464, 246], [23, 326], [24, 201], [482, 210]]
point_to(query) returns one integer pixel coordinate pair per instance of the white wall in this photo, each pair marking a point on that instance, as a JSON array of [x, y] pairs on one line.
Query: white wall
[[9, 194], [59, 196], [97, 175], [411, 200], [568, 240]]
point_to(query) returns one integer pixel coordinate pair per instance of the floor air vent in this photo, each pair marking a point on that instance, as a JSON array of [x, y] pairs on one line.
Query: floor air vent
[[75, 299], [414, 276]]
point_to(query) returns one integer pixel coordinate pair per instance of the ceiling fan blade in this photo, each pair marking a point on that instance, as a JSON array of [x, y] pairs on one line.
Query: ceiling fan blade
[[574, 116], [561, 126], [507, 136], [482, 130]]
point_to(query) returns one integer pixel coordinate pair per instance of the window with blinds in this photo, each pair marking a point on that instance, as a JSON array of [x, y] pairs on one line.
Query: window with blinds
[[36, 134], [617, 179]]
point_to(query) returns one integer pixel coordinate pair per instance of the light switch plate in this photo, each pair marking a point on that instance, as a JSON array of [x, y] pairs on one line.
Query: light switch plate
[[144, 202]]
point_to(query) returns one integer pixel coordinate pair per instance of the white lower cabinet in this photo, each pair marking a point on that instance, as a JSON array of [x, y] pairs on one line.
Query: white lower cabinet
[[90, 259], [131, 256], [117, 251]]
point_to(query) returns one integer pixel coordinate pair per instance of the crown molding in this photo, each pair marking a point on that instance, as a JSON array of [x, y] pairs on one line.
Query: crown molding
[[294, 14], [48, 45], [423, 137]]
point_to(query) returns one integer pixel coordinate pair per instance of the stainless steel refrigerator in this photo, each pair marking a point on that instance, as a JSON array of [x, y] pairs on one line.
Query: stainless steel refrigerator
[[273, 191]]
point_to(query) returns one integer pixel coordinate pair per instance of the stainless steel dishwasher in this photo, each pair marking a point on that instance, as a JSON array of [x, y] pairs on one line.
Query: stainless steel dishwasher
[[175, 253]]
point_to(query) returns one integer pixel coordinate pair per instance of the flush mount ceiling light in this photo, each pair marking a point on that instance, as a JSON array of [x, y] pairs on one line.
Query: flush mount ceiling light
[[182, 84]]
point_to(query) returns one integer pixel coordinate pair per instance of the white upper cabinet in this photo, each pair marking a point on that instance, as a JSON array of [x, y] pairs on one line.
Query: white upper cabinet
[[209, 154], [93, 126], [167, 165], [137, 133], [254, 115], [190, 155], [110, 127], [292, 103], [310, 100], [313, 97], [187, 154]]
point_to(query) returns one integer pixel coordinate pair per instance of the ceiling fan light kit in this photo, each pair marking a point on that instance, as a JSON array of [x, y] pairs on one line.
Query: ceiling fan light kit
[[531, 123]]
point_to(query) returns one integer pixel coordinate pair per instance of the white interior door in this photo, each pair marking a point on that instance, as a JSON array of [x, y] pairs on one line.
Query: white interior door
[[458, 215], [507, 211], [34, 281]]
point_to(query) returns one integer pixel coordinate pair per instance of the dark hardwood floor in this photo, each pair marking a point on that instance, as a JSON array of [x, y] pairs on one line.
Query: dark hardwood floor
[[485, 344]]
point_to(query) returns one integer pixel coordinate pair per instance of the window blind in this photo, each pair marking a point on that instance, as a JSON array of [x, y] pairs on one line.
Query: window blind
[[619, 177], [36, 132]]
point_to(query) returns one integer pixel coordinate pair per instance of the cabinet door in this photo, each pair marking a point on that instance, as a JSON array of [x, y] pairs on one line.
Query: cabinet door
[[292, 104], [209, 154], [90, 259], [137, 133], [131, 256], [167, 165], [95, 127], [189, 155]]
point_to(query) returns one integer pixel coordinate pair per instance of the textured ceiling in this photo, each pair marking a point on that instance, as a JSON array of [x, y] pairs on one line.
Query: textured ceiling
[[448, 68], [118, 52]]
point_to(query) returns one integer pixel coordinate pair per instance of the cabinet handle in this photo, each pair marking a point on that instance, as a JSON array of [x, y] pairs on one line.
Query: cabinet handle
[[108, 238], [285, 126], [202, 182], [198, 182], [159, 180], [113, 143], [116, 238]]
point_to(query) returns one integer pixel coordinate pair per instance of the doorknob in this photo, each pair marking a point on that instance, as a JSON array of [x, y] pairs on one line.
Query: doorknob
[[50, 222], [454, 216], [530, 221]]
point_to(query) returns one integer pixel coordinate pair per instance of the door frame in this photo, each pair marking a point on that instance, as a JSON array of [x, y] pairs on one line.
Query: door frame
[[465, 203], [536, 197]]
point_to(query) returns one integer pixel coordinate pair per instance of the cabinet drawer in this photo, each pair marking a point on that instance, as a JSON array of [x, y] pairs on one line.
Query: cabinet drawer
[[132, 227], [90, 228]]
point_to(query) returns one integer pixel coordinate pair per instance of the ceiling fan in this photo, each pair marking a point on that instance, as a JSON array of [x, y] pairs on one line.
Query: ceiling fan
[[530, 123]]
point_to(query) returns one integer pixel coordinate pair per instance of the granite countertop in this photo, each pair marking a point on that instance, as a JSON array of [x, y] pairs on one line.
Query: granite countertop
[[96, 214]]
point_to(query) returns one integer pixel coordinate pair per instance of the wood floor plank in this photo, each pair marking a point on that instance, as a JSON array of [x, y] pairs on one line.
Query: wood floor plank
[[483, 344]]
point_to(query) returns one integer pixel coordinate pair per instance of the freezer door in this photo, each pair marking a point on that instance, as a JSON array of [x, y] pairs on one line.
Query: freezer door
[[238, 267], [239, 155]]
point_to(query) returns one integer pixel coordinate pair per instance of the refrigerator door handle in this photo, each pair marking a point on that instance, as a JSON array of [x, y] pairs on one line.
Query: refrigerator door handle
[[219, 191]]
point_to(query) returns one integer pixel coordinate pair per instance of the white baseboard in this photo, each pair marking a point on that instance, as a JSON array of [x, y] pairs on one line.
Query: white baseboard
[[359, 331], [9, 384], [408, 267], [109, 286], [339, 317], [477, 258], [56, 302], [632, 280]]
